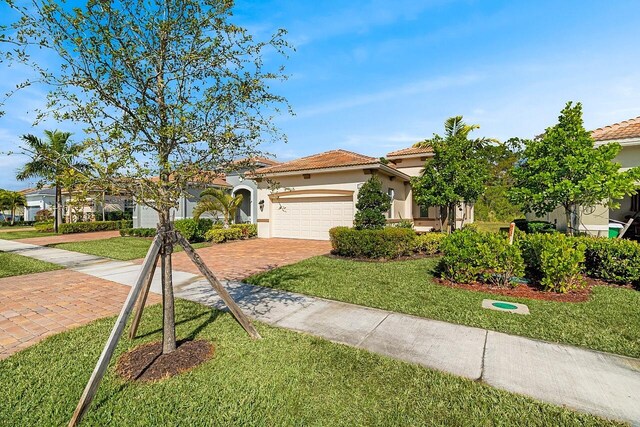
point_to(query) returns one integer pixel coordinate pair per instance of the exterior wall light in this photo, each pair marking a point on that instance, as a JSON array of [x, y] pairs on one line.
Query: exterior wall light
[[261, 205]]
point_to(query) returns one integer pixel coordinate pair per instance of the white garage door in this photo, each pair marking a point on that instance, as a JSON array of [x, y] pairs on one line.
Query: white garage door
[[310, 218]]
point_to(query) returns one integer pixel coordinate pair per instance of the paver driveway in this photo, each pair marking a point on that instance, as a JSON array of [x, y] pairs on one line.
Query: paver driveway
[[35, 306], [240, 259]]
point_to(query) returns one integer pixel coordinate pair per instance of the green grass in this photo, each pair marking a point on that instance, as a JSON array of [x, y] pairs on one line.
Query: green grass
[[121, 248], [16, 265], [24, 234], [492, 227], [609, 321], [285, 379]]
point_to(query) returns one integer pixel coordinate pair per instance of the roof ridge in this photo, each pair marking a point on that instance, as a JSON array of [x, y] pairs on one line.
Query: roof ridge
[[624, 129]]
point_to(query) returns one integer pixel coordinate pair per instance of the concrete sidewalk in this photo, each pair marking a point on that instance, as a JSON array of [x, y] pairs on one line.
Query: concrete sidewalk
[[589, 381]]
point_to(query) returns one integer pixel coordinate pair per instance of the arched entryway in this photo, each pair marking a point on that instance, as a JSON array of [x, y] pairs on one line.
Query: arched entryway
[[244, 213]]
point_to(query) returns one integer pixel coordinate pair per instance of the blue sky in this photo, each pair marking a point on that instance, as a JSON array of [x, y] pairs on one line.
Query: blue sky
[[375, 76]]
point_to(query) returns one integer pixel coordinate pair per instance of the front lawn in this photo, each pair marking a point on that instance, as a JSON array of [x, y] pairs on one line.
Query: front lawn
[[492, 227], [285, 379], [16, 265], [121, 248], [23, 234], [609, 321]]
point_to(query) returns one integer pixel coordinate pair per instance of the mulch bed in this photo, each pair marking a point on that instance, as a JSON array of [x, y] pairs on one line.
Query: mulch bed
[[526, 291], [147, 363]]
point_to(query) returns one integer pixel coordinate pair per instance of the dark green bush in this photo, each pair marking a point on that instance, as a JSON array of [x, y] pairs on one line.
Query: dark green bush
[[221, 235], [428, 243], [613, 260], [138, 232], [248, 230], [534, 227], [372, 205], [193, 230], [471, 255], [389, 242], [554, 260], [86, 227]]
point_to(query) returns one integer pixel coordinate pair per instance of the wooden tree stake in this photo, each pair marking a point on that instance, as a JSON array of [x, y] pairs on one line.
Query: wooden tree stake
[[142, 300], [217, 286], [103, 362]]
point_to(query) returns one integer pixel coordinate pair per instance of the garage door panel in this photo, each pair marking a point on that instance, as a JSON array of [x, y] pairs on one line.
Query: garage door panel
[[310, 218]]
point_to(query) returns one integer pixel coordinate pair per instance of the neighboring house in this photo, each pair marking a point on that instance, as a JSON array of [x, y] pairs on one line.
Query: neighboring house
[[318, 192], [236, 183], [596, 221], [44, 198], [37, 200]]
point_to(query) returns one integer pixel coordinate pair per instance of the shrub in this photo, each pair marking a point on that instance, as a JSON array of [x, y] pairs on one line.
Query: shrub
[[248, 230], [389, 242], [188, 228], [220, 235], [372, 205], [471, 255], [44, 226], [43, 215], [86, 227], [138, 232], [404, 223], [429, 243], [613, 260], [555, 260]]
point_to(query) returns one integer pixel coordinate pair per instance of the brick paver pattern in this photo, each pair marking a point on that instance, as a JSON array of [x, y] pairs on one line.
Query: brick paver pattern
[[240, 259], [35, 306], [69, 238]]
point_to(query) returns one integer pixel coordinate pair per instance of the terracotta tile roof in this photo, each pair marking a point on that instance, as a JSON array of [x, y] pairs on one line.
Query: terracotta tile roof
[[326, 160], [410, 151], [623, 130], [253, 161]]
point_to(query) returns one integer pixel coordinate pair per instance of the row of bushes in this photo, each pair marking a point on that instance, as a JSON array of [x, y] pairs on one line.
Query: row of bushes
[[388, 242], [202, 230], [558, 262], [86, 227], [16, 224]]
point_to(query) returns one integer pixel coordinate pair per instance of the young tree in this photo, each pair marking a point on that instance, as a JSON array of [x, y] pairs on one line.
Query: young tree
[[50, 159], [455, 174], [166, 88], [564, 168], [372, 204], [217, 200]]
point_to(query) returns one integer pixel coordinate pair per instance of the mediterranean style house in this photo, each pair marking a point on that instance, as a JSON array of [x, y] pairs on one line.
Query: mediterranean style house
[[305, 197], [596, 221]]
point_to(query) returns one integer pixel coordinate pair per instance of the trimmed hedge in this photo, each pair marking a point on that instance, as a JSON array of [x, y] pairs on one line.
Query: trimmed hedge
[[86, 227], [428, 243], [221, 235], [44, 226], [613, 260], [388, 243], [471, 255], [555, 260], [138, 232], [193, 230]]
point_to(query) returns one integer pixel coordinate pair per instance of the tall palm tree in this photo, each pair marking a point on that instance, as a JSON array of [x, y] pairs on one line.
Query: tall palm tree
[[453, 127], [49, 159], [217, 200], [12, 200]]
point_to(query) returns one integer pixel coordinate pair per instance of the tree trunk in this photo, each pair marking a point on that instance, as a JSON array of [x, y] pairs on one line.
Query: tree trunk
[[168, 301], [56, 212], [13, 214], [567, 213], [452, 217]]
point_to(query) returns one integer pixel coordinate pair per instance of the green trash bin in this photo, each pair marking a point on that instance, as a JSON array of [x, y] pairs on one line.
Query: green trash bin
[[614, 230]]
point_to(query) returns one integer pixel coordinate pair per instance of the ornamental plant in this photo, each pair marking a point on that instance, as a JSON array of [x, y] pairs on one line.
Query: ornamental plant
[[372, 205]]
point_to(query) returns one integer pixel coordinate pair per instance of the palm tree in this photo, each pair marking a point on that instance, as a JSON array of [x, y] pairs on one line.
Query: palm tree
[[49, 160], [12, 200], [453, 127], [217, 200]]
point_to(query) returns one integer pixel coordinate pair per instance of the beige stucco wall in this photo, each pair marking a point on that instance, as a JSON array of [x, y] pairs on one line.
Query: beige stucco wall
[[327, 181], [410, 166], [629, 156]]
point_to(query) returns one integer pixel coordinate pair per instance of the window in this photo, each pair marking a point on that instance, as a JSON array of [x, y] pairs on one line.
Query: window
[[424, 211], [129, 205]]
